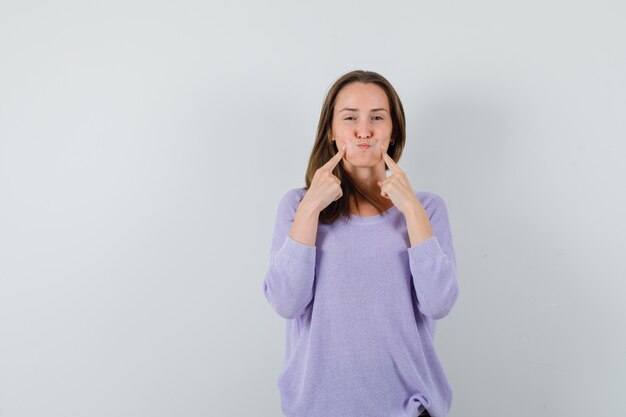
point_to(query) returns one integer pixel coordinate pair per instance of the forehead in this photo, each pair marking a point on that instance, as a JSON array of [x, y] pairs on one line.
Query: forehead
[[362, 96]]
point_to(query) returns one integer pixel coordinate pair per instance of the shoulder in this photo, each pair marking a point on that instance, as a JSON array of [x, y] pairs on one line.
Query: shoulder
[[432, 202], [291, 199], [293, 195]]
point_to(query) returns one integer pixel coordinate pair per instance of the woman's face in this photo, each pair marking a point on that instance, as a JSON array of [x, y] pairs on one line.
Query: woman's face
[[362, 121]]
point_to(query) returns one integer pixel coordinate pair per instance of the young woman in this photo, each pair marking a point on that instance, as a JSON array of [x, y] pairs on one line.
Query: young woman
[[361, 266]]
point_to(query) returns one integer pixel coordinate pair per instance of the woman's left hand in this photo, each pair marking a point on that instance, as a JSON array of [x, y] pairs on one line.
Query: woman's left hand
[[397, 187]]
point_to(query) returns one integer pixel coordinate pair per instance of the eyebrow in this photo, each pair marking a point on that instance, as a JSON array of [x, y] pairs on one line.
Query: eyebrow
[[353, 109]]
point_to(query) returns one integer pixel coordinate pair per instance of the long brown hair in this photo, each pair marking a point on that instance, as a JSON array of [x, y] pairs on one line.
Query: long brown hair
[[324, 148]]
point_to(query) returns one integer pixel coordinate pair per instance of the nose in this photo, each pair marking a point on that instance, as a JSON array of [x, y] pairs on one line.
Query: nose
[[363, 130]]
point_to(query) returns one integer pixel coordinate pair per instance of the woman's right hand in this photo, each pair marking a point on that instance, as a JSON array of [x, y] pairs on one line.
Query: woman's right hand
[[325, 187]]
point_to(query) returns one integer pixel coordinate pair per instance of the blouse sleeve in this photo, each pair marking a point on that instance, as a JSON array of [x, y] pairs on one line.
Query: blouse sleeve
[[288, 283], [433, 264]]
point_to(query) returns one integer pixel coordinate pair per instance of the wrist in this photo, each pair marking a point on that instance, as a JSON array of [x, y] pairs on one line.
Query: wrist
[[309, 208], [414, 209]]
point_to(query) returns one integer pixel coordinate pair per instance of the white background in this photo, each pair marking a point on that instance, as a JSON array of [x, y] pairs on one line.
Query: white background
[[144, 146]]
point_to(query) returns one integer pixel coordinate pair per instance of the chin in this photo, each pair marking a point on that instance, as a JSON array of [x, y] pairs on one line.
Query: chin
[[363, 164]]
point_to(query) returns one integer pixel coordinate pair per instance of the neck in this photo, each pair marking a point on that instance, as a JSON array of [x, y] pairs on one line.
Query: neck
[[366, 177]]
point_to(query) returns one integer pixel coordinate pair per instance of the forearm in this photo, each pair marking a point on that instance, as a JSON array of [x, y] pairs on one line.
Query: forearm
[[304, 226], [418, 225]]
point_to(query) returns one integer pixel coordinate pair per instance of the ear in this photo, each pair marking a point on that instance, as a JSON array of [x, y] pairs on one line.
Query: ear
[[333, 140]]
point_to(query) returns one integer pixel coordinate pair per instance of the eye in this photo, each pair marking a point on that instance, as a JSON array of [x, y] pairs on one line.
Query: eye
[[349, 118], [378, 117]]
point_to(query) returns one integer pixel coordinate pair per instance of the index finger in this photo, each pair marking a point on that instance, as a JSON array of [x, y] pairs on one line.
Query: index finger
[[332, 162], [390, 162]]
